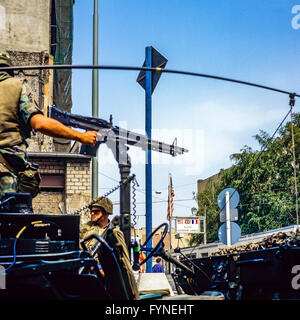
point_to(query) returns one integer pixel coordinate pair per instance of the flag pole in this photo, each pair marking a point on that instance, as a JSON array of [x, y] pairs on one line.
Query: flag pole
[[170, 209], [170, 214]]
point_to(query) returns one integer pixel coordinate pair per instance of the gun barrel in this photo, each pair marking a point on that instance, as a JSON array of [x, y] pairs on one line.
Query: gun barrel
[[142, 141]]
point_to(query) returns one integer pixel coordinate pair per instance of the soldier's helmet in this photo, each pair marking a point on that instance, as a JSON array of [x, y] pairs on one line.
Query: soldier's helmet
[[5, 58], [104, 203]]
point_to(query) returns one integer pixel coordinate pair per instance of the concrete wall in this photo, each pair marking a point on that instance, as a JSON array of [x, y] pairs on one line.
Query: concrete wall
[[25, 34], [25, 25]]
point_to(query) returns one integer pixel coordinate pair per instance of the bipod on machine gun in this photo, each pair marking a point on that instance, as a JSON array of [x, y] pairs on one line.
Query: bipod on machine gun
[[118, 140]]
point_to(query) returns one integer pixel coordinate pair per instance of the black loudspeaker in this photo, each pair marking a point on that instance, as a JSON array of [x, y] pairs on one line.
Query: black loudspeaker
[[52, 233]]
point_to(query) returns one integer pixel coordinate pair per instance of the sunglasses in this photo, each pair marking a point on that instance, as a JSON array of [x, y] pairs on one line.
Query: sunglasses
[[96, 211]]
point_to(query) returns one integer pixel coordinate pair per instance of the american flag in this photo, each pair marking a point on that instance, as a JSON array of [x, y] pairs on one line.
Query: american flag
[[170, 198]]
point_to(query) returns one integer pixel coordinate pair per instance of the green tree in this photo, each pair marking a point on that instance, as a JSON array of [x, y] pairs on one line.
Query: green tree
[[265, 181], [207, 204]]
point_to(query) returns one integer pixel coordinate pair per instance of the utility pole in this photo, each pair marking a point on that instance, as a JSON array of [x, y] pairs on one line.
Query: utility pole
[[95, 95], [204, 226]]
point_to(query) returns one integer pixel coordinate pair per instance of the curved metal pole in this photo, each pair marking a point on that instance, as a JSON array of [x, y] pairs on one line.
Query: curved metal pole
[[66, 66]]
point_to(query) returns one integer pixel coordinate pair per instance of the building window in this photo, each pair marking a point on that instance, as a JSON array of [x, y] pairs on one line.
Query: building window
[[52, 182]]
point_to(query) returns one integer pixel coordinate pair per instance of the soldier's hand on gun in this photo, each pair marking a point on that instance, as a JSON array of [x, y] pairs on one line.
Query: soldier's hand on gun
[[89, 137]]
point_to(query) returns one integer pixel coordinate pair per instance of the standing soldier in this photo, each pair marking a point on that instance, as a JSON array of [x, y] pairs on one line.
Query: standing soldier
[[19, 115]]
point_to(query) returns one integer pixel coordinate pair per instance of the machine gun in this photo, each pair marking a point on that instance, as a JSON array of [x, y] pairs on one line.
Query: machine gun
[[116, 138]]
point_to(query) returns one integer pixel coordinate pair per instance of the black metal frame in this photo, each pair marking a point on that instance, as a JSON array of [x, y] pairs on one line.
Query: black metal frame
[[254, 275]]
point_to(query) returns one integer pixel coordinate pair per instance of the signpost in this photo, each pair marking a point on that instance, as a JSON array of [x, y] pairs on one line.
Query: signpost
[[228, 229], [234, 216], [229, 232], [188, 225], [235, 233], [234, 198], [148, 80]]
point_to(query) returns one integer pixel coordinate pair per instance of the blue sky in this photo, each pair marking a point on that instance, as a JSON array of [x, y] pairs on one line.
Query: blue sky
[[247, 40]]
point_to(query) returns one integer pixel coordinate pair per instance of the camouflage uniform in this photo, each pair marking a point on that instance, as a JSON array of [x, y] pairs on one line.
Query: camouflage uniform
[[16, 155], [115, 238], [89, 229], [92, 227]]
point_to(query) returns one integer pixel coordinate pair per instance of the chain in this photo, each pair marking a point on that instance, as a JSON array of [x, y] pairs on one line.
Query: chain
[[128, 180], [134, 184]]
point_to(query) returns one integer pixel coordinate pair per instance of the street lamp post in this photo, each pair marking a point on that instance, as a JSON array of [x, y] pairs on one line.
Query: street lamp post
[[95, 95]]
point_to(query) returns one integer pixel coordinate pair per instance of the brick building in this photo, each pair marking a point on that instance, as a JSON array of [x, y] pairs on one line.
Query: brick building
[[203, 184], [65, 184]]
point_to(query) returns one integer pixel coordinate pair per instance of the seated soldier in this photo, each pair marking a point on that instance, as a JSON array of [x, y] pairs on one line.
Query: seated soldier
[[100, 224]]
